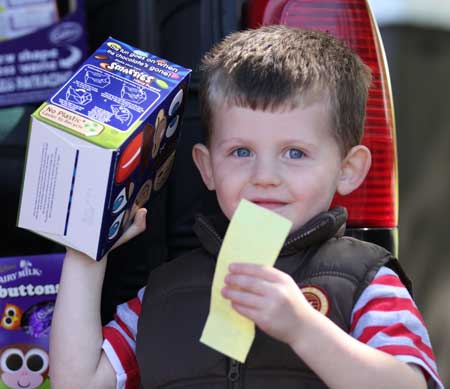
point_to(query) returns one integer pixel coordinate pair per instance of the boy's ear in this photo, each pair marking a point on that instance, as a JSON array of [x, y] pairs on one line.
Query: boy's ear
[[202, 159], [354, 169]]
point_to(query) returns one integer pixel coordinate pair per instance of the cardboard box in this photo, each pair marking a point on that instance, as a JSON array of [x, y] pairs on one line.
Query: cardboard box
[[101, 147]]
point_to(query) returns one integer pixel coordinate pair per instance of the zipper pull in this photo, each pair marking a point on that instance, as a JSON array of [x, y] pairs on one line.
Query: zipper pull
[[233, 373]]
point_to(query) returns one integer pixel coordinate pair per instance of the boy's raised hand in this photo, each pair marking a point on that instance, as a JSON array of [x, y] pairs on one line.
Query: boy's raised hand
[[138, 226], [270, 298]]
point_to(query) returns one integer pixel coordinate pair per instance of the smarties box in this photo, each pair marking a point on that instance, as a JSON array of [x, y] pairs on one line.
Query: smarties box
[[101, 147]]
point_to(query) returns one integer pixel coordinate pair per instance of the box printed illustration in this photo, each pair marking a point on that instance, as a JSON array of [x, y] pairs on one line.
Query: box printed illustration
[[101, 147], [28, 289]]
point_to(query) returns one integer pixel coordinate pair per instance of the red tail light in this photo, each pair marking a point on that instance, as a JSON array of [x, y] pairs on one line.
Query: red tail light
[[375, 203]]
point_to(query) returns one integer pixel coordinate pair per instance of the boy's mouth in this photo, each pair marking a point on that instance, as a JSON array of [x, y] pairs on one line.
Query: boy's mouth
[[268, 203]]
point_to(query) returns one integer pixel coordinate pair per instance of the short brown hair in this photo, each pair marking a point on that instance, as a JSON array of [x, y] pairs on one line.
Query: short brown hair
[[275, 67]]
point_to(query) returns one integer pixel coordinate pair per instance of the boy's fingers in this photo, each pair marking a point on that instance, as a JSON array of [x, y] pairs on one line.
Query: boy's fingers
[[243, 298], [265, 272], [248, 283], [248, 312], [140, 218]]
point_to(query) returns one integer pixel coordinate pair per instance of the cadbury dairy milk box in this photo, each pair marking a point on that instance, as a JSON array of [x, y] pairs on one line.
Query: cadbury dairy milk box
[[101, 147], [28, 289]]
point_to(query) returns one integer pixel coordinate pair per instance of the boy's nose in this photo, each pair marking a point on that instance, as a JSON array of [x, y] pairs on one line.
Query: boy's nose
[[265, 173]]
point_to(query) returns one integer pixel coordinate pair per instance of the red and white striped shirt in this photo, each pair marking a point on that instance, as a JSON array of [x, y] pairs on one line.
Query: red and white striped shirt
[[385, 317]]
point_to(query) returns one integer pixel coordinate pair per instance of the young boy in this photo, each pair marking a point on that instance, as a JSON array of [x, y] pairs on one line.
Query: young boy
[[284, 109]]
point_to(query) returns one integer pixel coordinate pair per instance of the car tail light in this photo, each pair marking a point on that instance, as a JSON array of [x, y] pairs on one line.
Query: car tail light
[[375, 203]]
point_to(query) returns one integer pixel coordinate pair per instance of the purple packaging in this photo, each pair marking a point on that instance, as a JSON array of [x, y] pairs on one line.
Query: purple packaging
[[32, 66], [28, 288]]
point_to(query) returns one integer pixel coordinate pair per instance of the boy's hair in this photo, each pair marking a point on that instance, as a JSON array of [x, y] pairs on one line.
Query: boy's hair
[[278, 67]]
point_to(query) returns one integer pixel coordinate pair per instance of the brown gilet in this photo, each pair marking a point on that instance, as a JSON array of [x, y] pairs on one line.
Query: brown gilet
[[176, 305]]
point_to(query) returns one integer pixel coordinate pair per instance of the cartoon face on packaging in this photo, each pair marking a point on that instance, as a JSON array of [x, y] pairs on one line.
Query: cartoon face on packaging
[[23, 366], [122, 198], [164, 171], [144, 193], [176, 103], [160, 127], [149, 132], [130, 159], [11, 318], [115, 226], [172, 126]]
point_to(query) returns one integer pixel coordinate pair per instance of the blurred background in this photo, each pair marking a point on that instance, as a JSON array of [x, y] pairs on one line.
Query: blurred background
[[416, 36]]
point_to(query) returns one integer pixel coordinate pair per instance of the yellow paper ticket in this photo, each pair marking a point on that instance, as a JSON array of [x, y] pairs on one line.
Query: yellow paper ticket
[[255, 235]]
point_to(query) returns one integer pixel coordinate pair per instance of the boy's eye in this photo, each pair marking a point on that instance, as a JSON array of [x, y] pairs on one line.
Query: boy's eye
[[242, 152], [295, 154]]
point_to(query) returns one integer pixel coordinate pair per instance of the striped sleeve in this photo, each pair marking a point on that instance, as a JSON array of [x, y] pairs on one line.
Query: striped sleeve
[[385, 317], [119, 343]]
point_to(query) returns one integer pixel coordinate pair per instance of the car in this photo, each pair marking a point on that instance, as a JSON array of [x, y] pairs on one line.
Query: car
[[182, 31]]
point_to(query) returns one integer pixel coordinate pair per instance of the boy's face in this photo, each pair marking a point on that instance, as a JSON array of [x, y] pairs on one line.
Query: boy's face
[[288, 162]]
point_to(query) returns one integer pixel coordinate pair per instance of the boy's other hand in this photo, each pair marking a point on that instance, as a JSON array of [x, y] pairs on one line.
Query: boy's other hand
[[270, 298]]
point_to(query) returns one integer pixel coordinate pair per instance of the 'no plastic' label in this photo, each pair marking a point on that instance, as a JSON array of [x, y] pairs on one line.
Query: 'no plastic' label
[[71, 120]]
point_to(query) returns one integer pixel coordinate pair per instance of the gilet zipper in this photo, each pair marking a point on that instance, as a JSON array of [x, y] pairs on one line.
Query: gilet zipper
[[234, 374]]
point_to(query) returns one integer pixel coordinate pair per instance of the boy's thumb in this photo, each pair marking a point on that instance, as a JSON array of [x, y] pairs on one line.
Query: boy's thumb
[[137, 227], [139, 224]]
